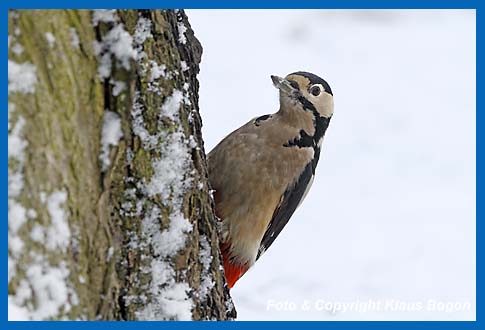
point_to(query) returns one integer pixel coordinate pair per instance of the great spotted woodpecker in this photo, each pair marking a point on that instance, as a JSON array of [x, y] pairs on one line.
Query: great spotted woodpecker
[[262, 171]]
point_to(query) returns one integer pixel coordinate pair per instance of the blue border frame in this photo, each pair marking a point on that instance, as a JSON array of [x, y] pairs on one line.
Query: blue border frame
[[266, 4]]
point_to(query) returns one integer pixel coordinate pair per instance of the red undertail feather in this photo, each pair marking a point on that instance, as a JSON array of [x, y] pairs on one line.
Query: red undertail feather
[[232, 270]]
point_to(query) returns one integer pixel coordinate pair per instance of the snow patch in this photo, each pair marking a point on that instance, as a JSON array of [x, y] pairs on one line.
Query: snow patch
[[171, 106], [172, 240], [110, 136], [149, 141], [118, 86], [58, 233], [46, 285], [51, 40], [15, 312], [142, 30], [157, 71], [168, 299], [16, 217], [166, 179], [109, 255], [17, 49], [104, 15], [182, 29], [21, 77], [171, 299], [17, 213], [37, 234], [31, 213], [116, 43], [16, 150], [75, 42], [205, 258]]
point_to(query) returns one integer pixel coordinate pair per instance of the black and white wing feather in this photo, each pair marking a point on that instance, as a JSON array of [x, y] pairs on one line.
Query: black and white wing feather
[[289, 202]]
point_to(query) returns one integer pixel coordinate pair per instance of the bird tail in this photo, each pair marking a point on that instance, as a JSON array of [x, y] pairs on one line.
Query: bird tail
[[232, 270]]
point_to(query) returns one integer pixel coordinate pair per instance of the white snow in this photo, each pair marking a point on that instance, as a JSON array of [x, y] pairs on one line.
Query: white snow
[[51, 40], [75, 42], [391, 214], [166, 178], [205, 258], [118, 86], [17, 49], [16, 216], [182, 29], [117, 43], [15, 312], [157, 71], [149, 141], [31, 213], [21, 77], [50, 289], [16, 144], [168, 298], [15, 245], [142, 30], [111, 134], [37, 234], [47, 286], [16, 150], [171, 106], [104, 15], [172, 301], [17, 213], [109, 255], [58, 233], [172, 240], [184, 66]]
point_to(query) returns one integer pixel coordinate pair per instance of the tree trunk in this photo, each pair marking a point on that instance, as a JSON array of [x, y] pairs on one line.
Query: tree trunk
[[110, 212]]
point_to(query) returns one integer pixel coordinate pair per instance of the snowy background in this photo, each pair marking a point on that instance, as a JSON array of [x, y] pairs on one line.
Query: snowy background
[[390, 220]]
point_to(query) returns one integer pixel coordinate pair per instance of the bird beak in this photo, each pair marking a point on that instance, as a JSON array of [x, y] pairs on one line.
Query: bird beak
[[283, 85]]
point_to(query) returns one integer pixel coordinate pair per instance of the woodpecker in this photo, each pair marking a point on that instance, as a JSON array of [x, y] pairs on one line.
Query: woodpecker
[[261, 172]]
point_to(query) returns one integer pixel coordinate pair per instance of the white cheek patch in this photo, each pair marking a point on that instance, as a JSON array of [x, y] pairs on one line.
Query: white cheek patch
[[324, 105]]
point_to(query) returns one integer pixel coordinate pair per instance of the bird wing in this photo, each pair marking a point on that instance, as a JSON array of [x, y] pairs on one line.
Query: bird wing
[[291, 199]]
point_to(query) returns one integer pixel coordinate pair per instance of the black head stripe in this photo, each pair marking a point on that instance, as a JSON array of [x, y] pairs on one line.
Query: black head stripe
[[307, 105], [314, 79]]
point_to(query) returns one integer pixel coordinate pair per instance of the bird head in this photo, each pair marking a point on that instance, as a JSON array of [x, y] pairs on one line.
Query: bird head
[[305, 91]]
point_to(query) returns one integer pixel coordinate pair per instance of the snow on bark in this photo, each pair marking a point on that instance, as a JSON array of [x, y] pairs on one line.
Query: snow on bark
[[110, 136], [169, 299], [205, 258], [156, 200], [181, 31], [44, 291], [117, 44], [21, 77]]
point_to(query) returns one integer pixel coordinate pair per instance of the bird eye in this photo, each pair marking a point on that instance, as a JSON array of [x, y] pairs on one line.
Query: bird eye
[[315, 90]]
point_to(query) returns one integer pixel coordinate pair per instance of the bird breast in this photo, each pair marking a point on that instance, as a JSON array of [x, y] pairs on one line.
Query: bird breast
[[250, 170]]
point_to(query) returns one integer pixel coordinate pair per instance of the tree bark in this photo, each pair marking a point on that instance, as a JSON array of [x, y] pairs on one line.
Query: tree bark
[[110, 212]]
